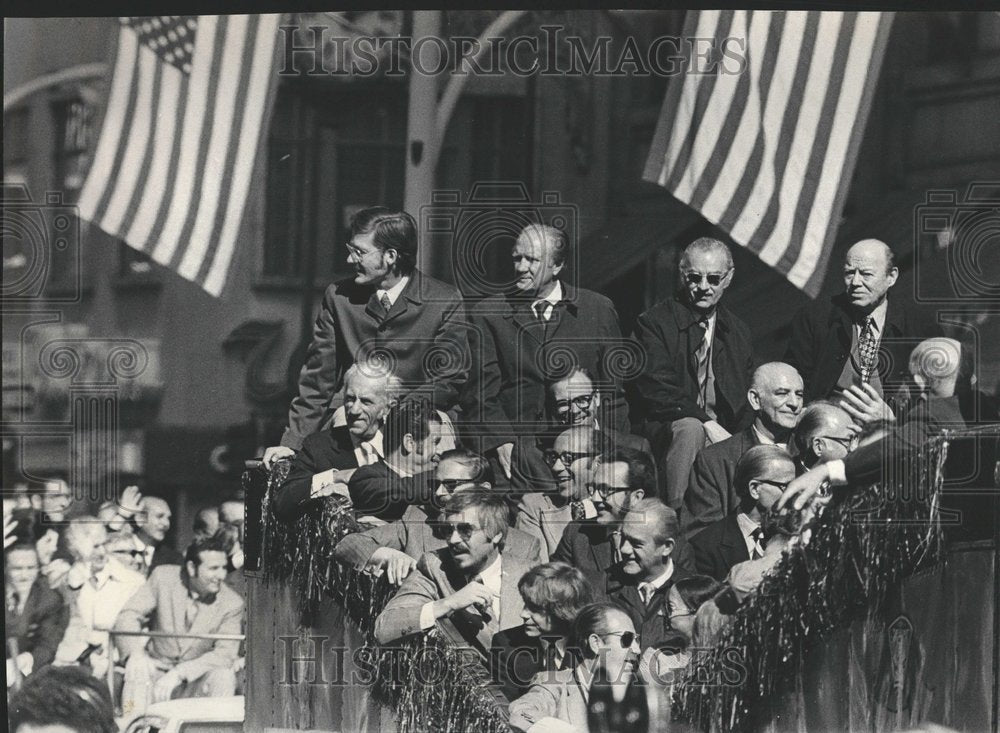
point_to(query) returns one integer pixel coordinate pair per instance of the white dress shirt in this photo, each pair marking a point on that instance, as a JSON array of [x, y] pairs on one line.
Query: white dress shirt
[[394, 291], [747, 527], [550, 301], [656, 583], [490, 576]]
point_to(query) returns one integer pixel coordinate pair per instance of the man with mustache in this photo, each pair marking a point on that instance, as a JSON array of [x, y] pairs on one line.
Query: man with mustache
[[469, 587], [388, 310]]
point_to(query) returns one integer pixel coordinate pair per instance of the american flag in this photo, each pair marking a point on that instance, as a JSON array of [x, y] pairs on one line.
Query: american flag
[[180, 136], [767, 154]]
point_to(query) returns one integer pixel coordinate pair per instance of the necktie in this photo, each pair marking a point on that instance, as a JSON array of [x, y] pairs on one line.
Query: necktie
[[758, 551], [368, 451], [13, 602], [646, 592], [539, 308], [866, 349], [551, 656], [577, 511], [702, 355], [616, 545], [386, 303]]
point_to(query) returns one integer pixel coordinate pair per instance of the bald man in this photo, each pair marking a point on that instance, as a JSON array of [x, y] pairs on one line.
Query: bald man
[[775, 395], [825, 432], [699, 355], [862, 335], [934, 366], [153, 524]]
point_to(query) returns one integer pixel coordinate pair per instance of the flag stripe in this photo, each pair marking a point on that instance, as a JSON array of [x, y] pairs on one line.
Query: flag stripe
[[768, 156], [265, 60]]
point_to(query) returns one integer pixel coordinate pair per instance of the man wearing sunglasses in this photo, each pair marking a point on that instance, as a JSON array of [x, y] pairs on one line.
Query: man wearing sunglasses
[[698, 361], [394, 548], [775, 395], [762, 473], [469, 587], [386, 305], [546, 515]]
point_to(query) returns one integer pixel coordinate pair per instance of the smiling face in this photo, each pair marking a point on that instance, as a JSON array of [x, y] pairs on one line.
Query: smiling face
[[644, 556], [534, 268], [365, 404], [699, 269], [155, 519], [681, 617], [574, 400], [208, 575], [370, 263], [611, 494], [56, 498], [608, 646], [867, 274], [571, 462], [21, 566], [776, 396]]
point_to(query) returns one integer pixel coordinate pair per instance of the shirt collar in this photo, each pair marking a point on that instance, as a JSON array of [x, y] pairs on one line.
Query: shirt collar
[[395, 290], [491, 575], [879, 316], [747, 525], [375, 441], [660, 580], [401, 472], [554, 296]]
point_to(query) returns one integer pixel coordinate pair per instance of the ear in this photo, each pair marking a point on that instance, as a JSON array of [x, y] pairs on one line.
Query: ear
[[893, 276], [754, 399], [487, 484], [596, 402], [191, 568], [36, 502], [753, 490], [556, 269], [593, 641], [497, 539], [817, 447], [638, 495], [668, 547], [391, 256], [409, 444]]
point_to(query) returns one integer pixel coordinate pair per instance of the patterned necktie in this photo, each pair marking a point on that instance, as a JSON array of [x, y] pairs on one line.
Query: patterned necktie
[[702, 355], [616, 545], [577, 511], [386, 303], [758, 551], [867, 349]]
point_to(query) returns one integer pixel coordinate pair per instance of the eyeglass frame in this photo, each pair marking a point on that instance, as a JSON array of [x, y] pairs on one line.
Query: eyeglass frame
[[845, 442], [450, 528], [548, 454], [706, 276], [621, 637], [607, 491], [450, 484], [581, 402]]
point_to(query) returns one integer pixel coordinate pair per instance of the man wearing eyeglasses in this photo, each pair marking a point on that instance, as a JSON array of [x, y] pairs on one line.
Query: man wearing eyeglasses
[[546, 515], [394, 548], [388, 309], [572, 401], [762, 473], [469, 587], [534, 334], [648, 535], [825, 432], [775, 395], [698, 361]]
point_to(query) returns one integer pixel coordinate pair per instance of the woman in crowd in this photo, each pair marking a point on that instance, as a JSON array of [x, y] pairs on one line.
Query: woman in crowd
[[606, 639]]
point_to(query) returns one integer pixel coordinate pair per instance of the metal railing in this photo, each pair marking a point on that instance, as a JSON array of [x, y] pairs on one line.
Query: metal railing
[[112, 633]]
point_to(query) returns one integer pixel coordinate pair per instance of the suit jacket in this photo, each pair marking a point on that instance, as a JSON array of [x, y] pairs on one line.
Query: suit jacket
[[586, 545], [414, 534], [161, 603], [719, 546], [436, 577], [378, 491], [516, 658], [427, 317], [321, 451], [820, 344], [557, 697], [538, 516], [529, 472], [515, 354], [652, 621], [896, 451], [40, 627], [668, 386], [710, 495]]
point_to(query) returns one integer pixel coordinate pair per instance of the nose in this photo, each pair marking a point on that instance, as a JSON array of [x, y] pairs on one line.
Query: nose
[[454, 538], [525, 616], [856, 278]]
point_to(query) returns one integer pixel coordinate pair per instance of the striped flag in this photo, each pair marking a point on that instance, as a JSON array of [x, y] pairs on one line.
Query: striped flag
[[180, 135], [767, 154]]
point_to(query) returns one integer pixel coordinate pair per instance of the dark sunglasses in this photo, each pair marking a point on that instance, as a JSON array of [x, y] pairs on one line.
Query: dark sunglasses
[[714, 279], [580, 402], [779, 484], [464, 529], [625, 638], [450, 484], [567, 457]]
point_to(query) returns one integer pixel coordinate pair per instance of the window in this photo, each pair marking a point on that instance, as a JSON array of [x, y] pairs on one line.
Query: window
[[74, 121]]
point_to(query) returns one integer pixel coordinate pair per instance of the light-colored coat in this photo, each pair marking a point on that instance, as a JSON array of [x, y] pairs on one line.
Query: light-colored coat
[[558, 696], [538, 516]]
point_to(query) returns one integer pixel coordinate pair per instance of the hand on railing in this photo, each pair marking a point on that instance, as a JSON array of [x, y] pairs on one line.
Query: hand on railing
[[274, 454]]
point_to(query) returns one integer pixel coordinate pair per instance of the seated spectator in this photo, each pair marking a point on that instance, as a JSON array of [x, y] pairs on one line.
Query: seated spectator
[[779, 528], [775, 395], [103, 586], [395, 547], [385, 489], [761, 475], [553, 594], [206, 522], [153, 523], [546, 515], [607, 641], [61, 700], [685, 598], [825, 432], [188, 599], [649, 532], [35, 617], [572, 401], [328, 457], [121, 545], [468, 587]]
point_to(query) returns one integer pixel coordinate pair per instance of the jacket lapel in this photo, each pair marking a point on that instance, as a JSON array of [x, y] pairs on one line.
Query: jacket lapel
[[373, 308], [524, 322]]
